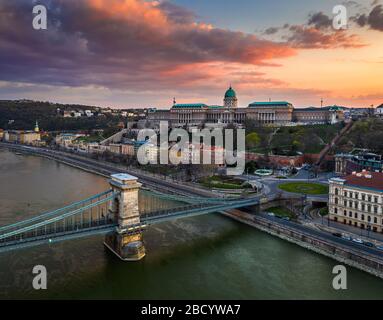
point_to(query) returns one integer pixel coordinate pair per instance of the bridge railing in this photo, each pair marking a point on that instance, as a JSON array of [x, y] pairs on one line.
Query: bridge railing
[[89, 213], [195, 209], [59, 211]]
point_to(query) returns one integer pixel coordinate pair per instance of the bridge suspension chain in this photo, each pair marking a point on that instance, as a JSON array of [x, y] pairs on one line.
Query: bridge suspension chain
[[54, 212], [60, 218]]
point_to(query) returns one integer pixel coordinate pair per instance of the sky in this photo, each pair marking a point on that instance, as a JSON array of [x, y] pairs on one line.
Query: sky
[[143, 53]]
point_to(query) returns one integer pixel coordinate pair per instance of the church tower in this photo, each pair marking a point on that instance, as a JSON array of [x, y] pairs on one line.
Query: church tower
[[230, 101], [37, 129]]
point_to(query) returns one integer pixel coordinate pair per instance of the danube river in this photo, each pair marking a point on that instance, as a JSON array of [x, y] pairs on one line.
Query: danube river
[[203, 257]]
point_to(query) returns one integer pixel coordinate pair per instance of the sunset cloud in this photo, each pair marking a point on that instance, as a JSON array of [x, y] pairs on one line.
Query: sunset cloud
[[149, 51], [117, 43], [313, 38]]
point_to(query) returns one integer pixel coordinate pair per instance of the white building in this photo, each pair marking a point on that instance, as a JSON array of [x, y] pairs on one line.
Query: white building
[[379, 110], [357, 200], [88, 113]]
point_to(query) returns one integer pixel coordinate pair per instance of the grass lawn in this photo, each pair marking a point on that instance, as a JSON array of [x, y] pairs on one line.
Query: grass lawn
[[304, 187], [224, 182], [281, 212]]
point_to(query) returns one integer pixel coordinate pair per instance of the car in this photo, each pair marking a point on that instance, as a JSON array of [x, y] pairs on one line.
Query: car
[[346, 237], [379, 248], [368, 244], [271, 214], [286, 218], [357, 240], [337, 234]]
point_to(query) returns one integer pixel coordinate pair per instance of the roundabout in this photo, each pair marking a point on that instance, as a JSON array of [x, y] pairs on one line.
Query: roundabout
[[304, 188]]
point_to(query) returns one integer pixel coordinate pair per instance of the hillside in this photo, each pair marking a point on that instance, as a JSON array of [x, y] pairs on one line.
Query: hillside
[[25, 113], [365, 134], [290, 140]]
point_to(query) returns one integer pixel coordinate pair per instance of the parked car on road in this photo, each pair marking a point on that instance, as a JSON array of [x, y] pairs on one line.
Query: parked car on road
[[357, 240], [368, 244], [336, 234], [271, 214], [379, 248], [346, 237]]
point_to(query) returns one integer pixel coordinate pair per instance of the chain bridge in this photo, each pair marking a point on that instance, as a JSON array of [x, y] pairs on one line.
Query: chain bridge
[[117, 213]]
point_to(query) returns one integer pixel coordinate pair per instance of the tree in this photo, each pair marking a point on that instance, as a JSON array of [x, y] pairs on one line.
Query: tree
[[250, 167], [252, 140]]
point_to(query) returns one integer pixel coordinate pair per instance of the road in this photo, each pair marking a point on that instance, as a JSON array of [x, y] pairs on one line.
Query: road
[[326, 236], [108, 169]]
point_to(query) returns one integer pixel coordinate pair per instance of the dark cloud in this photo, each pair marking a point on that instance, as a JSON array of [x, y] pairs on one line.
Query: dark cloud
[[360, 20], [320, 20], [177, 13], [373, 20], [271, 30]]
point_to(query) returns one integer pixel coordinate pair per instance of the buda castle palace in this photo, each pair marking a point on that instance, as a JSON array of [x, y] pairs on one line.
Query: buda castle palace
[[273, 113]]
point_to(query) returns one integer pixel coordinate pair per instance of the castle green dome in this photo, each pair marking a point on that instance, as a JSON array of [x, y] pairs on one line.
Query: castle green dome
[[230, 93]]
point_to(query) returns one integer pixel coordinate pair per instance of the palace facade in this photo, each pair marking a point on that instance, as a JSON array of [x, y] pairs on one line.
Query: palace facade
[[273, 113]]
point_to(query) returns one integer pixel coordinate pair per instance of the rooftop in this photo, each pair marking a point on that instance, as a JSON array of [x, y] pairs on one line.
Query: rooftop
[[270, 103], [328, 108], [190, 105], [365, 179], [123, 177], [230, 93]]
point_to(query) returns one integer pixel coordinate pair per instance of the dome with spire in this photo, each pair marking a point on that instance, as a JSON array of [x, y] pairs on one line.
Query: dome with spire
[[230, 101], [230, 93]]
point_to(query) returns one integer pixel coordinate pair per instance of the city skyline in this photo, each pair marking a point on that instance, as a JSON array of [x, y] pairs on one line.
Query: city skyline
[[134, 53]]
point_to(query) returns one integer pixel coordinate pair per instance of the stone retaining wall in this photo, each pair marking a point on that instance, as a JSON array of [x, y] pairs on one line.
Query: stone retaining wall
[[349, 257]]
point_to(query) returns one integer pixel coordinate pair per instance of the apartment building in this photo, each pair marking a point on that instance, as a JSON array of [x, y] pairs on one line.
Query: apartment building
[[357, 200]]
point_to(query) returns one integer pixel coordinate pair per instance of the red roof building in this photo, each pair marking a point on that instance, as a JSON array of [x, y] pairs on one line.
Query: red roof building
[[365, 179]]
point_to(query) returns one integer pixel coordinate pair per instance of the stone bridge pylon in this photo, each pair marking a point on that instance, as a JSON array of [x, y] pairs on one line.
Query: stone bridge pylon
[[126, 240]]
